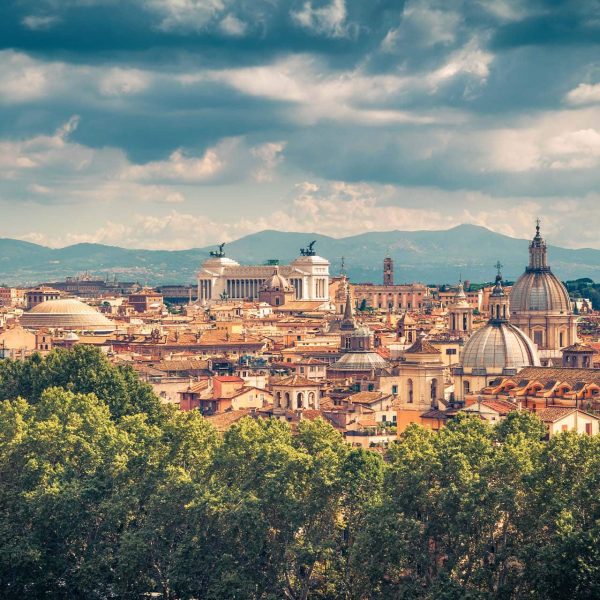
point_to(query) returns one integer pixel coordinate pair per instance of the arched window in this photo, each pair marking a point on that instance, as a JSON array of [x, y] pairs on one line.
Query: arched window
[[311, 400], [287, 400], [278, 399], [300, 400], [409, 385], [434, 389]]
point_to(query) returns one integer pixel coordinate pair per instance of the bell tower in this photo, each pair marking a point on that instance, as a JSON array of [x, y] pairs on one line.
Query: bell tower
[[388, 271], [460, 314], [499, 301]]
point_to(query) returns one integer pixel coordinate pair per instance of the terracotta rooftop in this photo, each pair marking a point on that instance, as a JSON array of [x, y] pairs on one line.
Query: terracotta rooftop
[[554, 413], [579, 347], [223, 421], [367, 397], [422, 346], [294, 381], [563, 374]]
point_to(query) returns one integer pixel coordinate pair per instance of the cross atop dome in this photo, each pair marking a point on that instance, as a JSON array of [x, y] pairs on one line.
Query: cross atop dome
[[498, 266]]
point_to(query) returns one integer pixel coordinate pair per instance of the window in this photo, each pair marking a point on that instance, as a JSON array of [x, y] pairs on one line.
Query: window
[[395, 390], [565, 428], [450, 351], [588, 428]]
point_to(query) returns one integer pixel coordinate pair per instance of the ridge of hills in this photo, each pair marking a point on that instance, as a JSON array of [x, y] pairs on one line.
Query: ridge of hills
[[442, 256]]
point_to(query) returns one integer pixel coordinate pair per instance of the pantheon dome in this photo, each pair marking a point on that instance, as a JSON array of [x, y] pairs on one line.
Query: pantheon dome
[[67, 313]]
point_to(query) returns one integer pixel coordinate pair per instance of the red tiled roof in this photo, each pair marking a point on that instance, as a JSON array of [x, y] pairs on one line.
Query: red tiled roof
[[553, 413], [295, 381]]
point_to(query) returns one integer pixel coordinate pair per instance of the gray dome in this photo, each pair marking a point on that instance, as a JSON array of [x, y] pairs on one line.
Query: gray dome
[[66, 313], [499, 346], [277, 283], [359, 361], [539, 290]]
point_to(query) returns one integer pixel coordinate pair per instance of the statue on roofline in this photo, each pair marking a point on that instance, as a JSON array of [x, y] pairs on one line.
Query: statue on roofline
[[218, 253], [309, 250]]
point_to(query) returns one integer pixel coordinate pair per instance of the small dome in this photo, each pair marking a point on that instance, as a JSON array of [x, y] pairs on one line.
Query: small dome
[[277, 283], [359, 361], [67, 313], [499, 345], [539, 291]]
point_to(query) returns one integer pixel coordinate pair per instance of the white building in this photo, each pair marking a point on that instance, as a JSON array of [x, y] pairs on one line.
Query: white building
[[221, 277]]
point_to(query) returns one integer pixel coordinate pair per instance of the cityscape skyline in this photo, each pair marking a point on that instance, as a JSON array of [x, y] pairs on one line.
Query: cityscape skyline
[[171, 125]]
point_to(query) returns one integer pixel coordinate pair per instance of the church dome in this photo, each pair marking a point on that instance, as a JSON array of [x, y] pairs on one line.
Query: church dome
[[538, 289], [277, 283], [67, 313], [359, 361], [499, 345]]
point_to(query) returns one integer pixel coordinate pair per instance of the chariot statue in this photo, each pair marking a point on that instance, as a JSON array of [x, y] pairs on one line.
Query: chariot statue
[[218, 253], [309, 250]]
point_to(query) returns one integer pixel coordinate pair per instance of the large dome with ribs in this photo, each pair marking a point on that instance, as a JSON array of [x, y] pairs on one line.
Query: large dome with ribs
[[538, 289]]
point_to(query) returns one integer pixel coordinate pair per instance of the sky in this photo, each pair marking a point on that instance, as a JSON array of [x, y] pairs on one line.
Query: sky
[[179, 123]]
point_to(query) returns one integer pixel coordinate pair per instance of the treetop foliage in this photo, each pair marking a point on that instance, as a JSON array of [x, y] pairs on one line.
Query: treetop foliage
[[104, 494]]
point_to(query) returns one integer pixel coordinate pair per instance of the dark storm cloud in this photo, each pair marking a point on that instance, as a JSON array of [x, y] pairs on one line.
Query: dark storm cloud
[[134, 31], [416, 93]]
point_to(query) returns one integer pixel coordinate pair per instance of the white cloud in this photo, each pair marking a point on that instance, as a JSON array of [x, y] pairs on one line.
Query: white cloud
[[185, 15], [26, 79], [555, 140], [315, 94], [233, 26], [40, 22], [118, 81], [470, 60], [584, 93], [180, 167], [270, 155], [23, 79], [422, 25], [326, 20]]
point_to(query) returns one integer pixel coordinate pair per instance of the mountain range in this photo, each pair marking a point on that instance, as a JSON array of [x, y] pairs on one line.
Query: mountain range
[[466, 251]]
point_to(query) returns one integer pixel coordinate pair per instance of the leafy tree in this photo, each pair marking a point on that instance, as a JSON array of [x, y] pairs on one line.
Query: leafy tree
[[85, 370]]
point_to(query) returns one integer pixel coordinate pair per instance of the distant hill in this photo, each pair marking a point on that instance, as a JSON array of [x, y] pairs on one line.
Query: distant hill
[[428, 256]]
